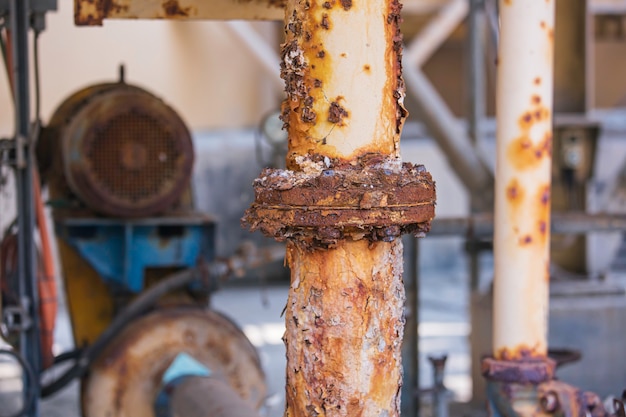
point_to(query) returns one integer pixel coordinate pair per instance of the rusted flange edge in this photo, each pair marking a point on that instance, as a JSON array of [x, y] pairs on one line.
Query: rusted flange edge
[[522, 371], [375, 202]]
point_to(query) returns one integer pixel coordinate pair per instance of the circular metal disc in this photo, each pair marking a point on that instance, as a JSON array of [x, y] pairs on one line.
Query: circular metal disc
[[126, 379]]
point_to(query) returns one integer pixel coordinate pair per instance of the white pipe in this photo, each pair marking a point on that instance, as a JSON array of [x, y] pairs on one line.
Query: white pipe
[[522, 193], [436, 32], [259, 48]]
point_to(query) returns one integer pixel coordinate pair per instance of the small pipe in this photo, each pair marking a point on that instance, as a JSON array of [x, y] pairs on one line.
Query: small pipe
[[481, 225], [523, 173], [439, 392]]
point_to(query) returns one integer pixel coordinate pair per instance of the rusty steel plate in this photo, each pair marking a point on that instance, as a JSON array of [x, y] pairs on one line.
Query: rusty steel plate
[[126, 153], [373, 201], [126, 378]]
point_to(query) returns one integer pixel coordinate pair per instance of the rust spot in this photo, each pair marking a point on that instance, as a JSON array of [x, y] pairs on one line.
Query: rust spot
[[327, 5], [523, 155], [343, 55], [508, 2], [172, 8], [519, 353], [514, 192], [317, 83], [308, 115], [321, 54], [336, 113], [536, 99], [542, 24], [367, 68], [325, 22], [346, 4], [537, 81]]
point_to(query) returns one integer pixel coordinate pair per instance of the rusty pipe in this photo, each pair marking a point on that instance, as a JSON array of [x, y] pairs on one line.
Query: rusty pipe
[[522, 191], [208, 397], [342, 205]]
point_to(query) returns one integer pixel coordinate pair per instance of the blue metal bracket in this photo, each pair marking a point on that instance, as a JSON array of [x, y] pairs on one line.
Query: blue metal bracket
[[121, 249]]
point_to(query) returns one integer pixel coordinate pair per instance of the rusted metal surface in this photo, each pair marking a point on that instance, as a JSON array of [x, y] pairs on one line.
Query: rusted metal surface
[[93, 12], [341, 205], [370, 201], [523, 392], [524, 152], [525, 371], [327, 72], [344, 329], [123, 151], [125, 379]]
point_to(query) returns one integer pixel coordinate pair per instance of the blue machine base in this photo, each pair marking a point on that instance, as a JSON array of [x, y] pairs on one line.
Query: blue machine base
[[121, 249]]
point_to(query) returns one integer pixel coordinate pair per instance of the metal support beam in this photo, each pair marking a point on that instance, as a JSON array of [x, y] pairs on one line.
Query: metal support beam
[[258, 48], [438, 29], [27, 269], [410, 345]]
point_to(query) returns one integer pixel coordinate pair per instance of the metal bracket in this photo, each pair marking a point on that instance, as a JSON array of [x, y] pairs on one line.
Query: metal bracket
[[38, 10], [16, 319]]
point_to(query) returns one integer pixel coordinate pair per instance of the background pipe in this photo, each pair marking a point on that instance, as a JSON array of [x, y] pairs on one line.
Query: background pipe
[[522, 192]]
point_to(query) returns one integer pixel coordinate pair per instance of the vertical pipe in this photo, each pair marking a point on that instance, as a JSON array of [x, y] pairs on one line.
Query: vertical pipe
[[410, 344], [27, 278], [524, 151], [344, 324]]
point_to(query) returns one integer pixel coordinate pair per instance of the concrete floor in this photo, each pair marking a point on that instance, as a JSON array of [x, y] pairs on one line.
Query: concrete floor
[[444, 328]]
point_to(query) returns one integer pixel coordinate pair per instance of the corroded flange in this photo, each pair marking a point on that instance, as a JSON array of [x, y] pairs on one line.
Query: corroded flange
[[376, 201], [523, 371]]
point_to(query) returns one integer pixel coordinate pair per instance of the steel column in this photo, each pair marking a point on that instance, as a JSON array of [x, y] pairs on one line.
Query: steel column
[[27, 275], [522, 193]]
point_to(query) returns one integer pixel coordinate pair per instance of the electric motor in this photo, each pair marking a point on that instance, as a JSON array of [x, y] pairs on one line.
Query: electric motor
[[123, 151]]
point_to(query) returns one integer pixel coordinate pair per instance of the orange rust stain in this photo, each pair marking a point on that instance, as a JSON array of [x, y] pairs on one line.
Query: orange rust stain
[[522, 153], [537, 81], [515, 194], [367, 68], [542, 24], [508, 2], [535, 99], [519, 352]]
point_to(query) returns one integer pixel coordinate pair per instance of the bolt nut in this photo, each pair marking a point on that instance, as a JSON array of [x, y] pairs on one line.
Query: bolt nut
[[549, 402]]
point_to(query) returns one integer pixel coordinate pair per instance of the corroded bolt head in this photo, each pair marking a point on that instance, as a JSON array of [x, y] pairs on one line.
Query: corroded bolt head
[[549, 402]]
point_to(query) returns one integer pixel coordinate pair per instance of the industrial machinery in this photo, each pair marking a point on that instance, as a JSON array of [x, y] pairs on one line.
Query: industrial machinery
[[138, 262], [118, 162]]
